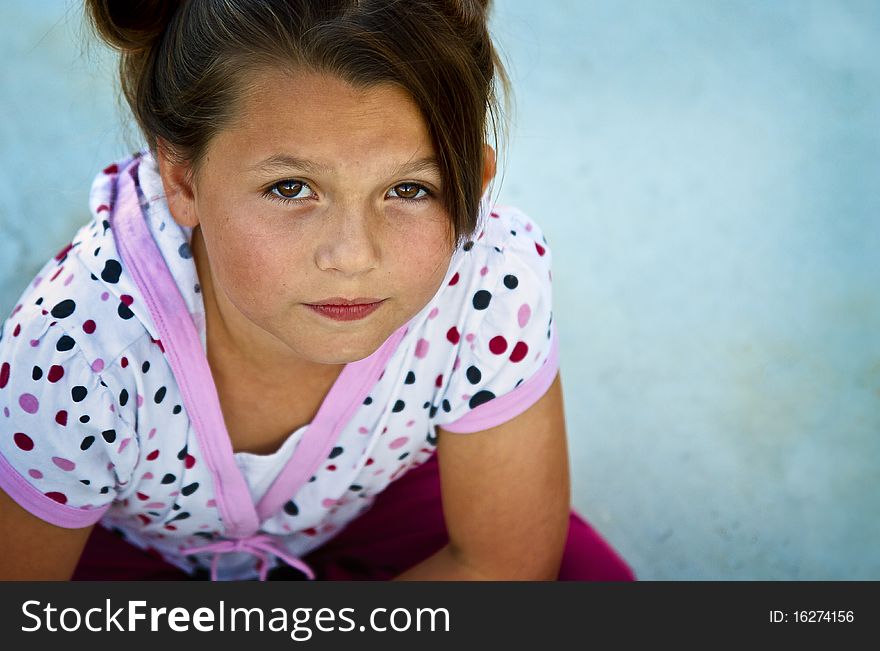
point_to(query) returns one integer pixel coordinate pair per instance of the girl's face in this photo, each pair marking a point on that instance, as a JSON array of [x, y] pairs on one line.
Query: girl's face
[[317, 191]]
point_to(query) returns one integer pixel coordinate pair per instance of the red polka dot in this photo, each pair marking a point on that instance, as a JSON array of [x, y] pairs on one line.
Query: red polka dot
[[144, 518], [452, 335], [111, 169], [190, 461], [519, 351], [4, 375], [128, 300], [17, 330], [143, 497], [61, 417], [124, 362], [153, 455], [498, 345], [55, 373], [331, 467], [23, 441], [540, 249], [369, 462], [89, 327], [439, 381], [454, 279], [61, 498], [103, 208]]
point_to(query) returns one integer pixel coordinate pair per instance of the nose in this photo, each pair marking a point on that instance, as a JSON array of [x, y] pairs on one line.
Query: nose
[[349, 243]]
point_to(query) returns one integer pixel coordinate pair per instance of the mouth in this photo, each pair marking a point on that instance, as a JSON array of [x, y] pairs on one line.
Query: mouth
[[338, 300], [351, 311]]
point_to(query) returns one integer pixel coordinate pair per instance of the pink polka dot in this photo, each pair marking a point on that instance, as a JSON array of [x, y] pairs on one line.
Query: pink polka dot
[[105, 296], [524, 314], [98, 365], [211, 503], [155, 505], [147, 475], [140, 400], [529, 227], [422, 347], [398, 442], [469, 337], [328, 502], [6, 411], [484, 271], [35, 343], [433, 313], [498, 345], [363, 430], [410, 423], [29, 403], [123, 445], [68, 279], [465, 396], [456, 364], [64, 464], [151, 434], [36, 474]]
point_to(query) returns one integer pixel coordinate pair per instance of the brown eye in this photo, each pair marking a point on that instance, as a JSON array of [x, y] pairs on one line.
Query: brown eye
[[408, 190], [289, 189]]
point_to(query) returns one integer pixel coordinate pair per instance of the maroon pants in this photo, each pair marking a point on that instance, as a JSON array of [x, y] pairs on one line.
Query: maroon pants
[[404, 526]]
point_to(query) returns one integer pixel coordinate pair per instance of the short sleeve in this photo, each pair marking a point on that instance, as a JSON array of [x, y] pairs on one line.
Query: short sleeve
[[65, 451], [508, 352]]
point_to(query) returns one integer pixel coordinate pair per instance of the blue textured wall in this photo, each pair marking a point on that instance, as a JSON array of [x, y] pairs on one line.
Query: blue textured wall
[[707, 175]]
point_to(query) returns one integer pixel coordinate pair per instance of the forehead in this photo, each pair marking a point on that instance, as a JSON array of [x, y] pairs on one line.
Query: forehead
[[324, 118]]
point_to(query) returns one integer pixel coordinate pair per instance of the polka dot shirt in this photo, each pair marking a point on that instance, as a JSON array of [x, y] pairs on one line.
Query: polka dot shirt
[[110, 415]]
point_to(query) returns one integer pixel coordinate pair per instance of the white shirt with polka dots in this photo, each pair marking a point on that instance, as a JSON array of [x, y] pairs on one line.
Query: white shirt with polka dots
[[110, 414]]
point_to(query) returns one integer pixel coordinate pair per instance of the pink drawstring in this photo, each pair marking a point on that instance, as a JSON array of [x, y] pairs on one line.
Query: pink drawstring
[[258, 545]]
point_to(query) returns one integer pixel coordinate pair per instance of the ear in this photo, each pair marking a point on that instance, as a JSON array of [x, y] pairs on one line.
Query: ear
[[488, 167], [178, 184]]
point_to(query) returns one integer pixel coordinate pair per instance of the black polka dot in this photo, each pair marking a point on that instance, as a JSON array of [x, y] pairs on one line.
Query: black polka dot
[[160, 395], [513, 233], [184, 251], [403, 456], [432, 411], [105, 490], [182, 454], [37, 373], [109, 435], [84, 418], [431, 438], [410, 378], [93, 276], [482, 299], [123, 311], [518, 382], [177, 409], [446, 406], [355, 487], [335, 452], [497, 249], [468, 246], [79, 393], [39, 301], [86, 443], [511, 281], [85, 481], [64, 309], [290, 508], [112, 270], [398, 406], [168, 478], [190, 488], [368, 400], [65, 343], [179, 516], [426, 405], [145, 367], [473, 375], [311, 479], [480, 397], [123, 398], [97, 251]]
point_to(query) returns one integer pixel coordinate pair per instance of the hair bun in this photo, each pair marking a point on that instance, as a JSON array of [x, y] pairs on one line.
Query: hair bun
[[131, 25]]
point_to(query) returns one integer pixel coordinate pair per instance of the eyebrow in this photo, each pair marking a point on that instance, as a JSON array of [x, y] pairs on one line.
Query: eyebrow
[[286, 161]]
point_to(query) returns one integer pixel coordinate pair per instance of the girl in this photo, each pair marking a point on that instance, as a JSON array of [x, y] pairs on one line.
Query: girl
[[295, 321]]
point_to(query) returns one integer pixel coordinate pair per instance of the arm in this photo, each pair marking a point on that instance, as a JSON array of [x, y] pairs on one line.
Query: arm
[[34, 550], [506, 498]]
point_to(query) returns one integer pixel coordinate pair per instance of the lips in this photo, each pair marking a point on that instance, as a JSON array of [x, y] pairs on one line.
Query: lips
[[350, 312]]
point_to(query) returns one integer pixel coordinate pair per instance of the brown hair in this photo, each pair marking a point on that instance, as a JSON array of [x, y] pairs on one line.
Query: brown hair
[[184, 65]]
